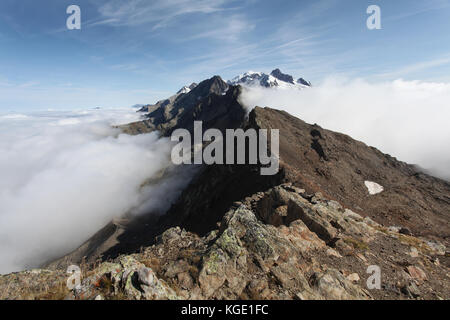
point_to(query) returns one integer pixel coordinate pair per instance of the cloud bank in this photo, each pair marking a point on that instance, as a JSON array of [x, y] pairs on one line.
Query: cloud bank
[[64, 175], [407, 119]]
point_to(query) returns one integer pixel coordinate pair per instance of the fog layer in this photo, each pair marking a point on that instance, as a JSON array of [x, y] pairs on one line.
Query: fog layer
[[64, 175]]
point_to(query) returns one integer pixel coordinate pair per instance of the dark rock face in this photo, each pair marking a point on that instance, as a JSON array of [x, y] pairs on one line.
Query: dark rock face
[[265, 82], [281, 76], [209, 101], [304, 82], [204, 202], [144, 108]]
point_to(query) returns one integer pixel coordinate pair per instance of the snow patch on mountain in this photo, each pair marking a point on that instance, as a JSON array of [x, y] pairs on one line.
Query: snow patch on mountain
[[373, 187], [187, 89]]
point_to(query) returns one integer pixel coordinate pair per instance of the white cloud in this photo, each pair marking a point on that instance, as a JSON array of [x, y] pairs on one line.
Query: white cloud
[[66, 174], [407, 119]]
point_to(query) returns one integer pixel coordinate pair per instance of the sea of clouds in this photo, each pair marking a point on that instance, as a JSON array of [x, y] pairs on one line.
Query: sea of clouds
[[66, 174], [406, 119]]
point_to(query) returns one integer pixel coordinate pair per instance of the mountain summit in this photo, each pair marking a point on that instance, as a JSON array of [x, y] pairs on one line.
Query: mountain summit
[[282, 76], [275, 79], [187, 89]]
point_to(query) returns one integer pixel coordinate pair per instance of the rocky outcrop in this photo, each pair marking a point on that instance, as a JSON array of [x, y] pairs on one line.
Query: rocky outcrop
[[279, 244], [282, 76], [303, 82]]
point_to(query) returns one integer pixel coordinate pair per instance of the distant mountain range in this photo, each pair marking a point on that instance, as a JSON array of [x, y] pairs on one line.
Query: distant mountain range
[[275, 79]]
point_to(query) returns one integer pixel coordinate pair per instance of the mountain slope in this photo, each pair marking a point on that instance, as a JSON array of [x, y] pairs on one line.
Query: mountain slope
[[336, 165], [274, 245], [180, 111], [162, 103], [320, 160]]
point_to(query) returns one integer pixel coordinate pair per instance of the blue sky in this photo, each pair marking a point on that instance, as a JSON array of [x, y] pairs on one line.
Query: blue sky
[[138, 51]]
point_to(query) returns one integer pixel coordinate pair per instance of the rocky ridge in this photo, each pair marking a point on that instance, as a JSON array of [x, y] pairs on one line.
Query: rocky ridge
[[204, 102], [279, 244]]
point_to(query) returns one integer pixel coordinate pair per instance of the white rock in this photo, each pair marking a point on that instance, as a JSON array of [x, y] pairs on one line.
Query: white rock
[[373, 187], [334, 253], [414, 252], [146, 276], [394, 229], [354, 277]]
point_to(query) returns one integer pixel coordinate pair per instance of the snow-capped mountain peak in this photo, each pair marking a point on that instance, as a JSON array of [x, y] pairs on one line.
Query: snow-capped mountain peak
[[187, 89], [247, 77], [275, 79]]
